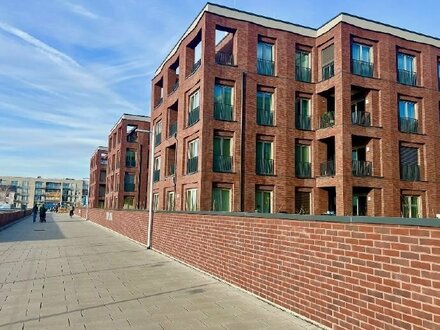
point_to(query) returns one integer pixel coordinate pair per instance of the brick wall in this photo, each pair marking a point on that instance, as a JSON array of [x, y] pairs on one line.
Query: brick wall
[[132, 224], [341, 275], [8, 217]]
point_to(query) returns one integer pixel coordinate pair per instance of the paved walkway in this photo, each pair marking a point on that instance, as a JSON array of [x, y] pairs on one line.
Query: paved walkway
[[71, 274]]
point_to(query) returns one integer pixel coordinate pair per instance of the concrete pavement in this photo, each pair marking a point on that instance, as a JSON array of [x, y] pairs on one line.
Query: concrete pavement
[[71, 274]]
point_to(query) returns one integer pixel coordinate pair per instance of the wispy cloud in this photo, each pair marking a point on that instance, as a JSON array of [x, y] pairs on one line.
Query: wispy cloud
[[80, 10]]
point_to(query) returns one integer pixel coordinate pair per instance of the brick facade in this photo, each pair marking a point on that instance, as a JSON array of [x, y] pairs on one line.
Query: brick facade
[[377, 183], [98, 166], [127, 175]]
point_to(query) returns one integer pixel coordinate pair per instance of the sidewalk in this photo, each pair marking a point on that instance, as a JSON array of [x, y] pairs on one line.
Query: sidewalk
[[71, 274]]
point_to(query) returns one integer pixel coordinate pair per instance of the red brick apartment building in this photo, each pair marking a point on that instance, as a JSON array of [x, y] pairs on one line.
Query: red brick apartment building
[[98, 166], [127, 167], [264, 115]]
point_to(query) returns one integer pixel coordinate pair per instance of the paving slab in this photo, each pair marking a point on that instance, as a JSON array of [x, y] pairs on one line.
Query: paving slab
[[72, 274]]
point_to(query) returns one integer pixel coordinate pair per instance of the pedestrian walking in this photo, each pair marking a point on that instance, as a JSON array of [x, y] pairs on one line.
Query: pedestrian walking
[[42, 213], [34, 212], [72, 209]]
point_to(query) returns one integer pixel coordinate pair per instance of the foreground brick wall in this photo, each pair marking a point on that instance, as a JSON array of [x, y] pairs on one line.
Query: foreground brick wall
[[344, 276], [8, 217], [132, 224]]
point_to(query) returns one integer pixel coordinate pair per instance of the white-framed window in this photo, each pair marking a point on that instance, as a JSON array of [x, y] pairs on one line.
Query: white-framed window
[[155, 201], [411, 207], [264, 201], [191, 200], [170, 201], [194, 100], [221, 199]]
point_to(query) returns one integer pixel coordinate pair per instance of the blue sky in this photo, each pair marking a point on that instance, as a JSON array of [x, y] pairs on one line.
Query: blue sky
[[70, 68]]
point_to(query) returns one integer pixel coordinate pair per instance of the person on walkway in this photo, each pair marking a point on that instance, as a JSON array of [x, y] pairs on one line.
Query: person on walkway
[[42, 213], [34, 212], [72, 209]]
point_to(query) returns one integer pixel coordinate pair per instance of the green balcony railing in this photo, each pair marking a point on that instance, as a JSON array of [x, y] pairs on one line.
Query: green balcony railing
[[407, 77], [361, 118], [222, 163], [192, 165], [361, 168], [156, 175], [362, 68], [265, 67], [409, 125], [129, 187], [327, 119], [304, 123], [303, 74], [265, 166], [222, 111], [264, 118], [193, 116], [410, 172], [327, 168], [303, 169], [172, 130], [328, 71], [224, 58]]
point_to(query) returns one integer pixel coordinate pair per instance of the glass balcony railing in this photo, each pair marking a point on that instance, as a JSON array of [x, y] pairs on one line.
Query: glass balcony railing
[[327, 119], [129, 187], [304, 123], [303, 74], [410, 172], [175, 86], [192, 165], [159, 101], [193, 116], [327, 168], [222, 111], [361, 118], [264, 118], [156, 175], [328, 71], [362, 68], [406, 77], [265, 67], [222, 163], [409, 125], [172, 130], [265, 166], [196, 66], [303, 169], [224, 58], [361, 168]]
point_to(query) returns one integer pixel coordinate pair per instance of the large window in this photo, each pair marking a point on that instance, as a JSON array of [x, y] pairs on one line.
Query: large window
[[409, 164], [303, 168], [128, 202], [129, 185], [362, 60], [191, 200], [302, 201], [265, 108], [222, 161], [408, 117], [221, 199], [156, 169], [263, 201], [264, 160], [193, 156], [406, 69], [194, 108], [265, 59], [411, 207], [303, 71], [158, 133], [170, 201], [327, 62], [303, 118], [155, 202], [130, 158], [223, 102]]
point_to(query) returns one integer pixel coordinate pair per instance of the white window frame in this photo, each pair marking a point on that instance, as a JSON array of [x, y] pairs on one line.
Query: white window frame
[[191, 199]]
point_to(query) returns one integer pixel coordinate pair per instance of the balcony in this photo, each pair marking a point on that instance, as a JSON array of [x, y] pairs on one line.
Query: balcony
[[265, 67], [192, 165], [410, 172], [264, 118], [159, 102], [406, 77], [327, 168], [222, 111], [196, 66], [327, 119], [172, 169], [264, 167], [193, 116], [361, 118], [129, 187], [172, 130], [130, 162], [303, 74], [303, 169], [328, 71], [223, 58], [362, 68], [361, 168], [304, 123], [156, 175], [408, 125], [157, 139], [222, 164], [175, 86]]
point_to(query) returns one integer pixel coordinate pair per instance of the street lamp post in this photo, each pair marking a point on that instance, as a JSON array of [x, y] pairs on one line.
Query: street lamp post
[[150, 185], [87, 198]]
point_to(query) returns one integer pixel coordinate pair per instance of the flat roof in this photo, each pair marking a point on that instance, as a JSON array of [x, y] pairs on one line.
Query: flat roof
[[300, 29], [128, 116]]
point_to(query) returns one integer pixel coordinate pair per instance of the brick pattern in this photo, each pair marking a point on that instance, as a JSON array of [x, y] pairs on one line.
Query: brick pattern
[[343, 276], [132, 224], [8, 217], [98, 164]]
